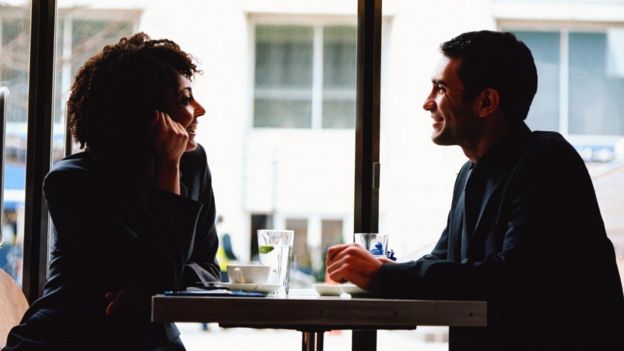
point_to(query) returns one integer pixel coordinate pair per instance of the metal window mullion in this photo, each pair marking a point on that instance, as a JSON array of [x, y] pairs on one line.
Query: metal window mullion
[[317, 78], [367, 115], [564, 82], [39, 146], [366, 200]]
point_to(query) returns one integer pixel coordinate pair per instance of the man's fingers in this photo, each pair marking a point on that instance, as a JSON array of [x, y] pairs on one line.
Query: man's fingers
[[345, 264], [347, 249], [353, 263], [333, 251]]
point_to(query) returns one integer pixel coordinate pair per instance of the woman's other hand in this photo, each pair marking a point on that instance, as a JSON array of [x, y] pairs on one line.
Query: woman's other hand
[[125, 299]]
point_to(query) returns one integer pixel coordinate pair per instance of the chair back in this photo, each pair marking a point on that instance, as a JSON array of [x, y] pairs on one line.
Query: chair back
[[13, 305]]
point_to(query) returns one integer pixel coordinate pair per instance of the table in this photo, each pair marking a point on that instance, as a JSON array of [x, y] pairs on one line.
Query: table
[[315, 315]]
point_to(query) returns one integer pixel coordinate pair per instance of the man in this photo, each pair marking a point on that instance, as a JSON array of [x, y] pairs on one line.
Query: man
[[524, 231]]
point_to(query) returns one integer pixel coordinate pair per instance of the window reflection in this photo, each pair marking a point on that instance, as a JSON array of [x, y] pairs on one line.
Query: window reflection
[[14, 62]]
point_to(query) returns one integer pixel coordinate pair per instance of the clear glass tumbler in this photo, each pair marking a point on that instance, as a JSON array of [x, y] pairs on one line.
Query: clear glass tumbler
[[276, 250]]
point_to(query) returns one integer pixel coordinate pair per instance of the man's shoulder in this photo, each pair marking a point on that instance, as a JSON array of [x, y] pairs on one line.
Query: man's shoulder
[[548, 138], [551, 144], [550, 152]]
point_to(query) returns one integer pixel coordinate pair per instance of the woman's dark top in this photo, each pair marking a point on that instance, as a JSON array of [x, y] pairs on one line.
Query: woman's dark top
[[111, 231]]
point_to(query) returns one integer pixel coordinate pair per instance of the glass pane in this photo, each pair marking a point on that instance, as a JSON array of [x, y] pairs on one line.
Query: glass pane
[[283, 56], [89, 35], [282, 113], [544, 113], [301, 251], [338, 113], [80, 34], [589, 74], [283, 67], [339, 51], [14, 76], [339, 72]]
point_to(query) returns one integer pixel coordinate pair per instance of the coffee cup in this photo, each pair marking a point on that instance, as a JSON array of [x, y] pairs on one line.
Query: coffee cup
[[248, 273]]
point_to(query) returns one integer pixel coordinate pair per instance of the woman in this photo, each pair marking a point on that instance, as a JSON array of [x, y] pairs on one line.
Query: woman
[[134, 213]]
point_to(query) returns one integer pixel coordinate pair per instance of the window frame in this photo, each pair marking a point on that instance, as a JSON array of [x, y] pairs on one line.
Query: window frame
[[564, 28], [318, 23]]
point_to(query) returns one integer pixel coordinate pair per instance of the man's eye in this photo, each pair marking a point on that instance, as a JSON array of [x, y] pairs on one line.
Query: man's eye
[[440, 90]]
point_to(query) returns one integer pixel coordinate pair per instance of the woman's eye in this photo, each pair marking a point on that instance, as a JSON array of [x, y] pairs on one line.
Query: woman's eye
[[185, 100]]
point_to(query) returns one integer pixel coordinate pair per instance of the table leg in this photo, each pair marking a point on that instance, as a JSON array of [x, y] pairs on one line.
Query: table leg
[[312, 341], [364, 340]]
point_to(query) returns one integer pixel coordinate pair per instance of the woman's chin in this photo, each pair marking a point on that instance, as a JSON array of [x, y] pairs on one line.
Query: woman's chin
[[191, 146]]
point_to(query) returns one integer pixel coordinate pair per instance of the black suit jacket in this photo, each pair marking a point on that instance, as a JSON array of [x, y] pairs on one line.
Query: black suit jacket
[[538, 253], [111, 232]]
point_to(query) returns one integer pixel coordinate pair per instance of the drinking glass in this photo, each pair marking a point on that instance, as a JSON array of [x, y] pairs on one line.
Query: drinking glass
[[375, 243], [276, 250]]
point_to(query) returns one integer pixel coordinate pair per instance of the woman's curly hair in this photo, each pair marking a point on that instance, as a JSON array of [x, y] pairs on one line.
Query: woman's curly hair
[[116, 92]]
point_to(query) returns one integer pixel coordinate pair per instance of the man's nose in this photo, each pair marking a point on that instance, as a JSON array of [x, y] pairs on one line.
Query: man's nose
[[429, 104]]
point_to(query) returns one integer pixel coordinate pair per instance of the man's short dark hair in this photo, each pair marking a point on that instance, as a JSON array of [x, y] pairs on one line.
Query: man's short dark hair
[[496, 60]]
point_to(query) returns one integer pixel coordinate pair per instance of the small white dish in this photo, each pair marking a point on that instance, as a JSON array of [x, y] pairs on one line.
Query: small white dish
[[352, 289], [338, 289], [264, 288]]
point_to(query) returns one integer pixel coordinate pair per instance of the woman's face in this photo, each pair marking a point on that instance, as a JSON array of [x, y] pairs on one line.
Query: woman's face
[[184, 109]]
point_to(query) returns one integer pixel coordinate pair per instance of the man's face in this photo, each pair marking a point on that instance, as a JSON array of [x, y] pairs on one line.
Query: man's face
[[454, 121]]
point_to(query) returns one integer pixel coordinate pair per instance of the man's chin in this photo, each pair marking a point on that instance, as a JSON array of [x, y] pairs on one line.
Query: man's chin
[[440, 138]]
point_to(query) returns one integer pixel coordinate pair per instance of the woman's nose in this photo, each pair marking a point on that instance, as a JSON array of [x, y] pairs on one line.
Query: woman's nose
[[199, 109]]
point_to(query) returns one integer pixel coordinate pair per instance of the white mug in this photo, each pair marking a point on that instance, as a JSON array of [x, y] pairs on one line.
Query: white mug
[[248, 274]]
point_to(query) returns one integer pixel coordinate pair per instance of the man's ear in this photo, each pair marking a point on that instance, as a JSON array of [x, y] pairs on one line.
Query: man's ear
[[487, 102]]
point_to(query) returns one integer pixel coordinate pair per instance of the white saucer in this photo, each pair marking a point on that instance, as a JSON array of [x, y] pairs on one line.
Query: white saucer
[[265, 288], [338, 289]]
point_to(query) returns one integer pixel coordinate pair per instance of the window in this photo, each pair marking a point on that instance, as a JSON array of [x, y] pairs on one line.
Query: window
[[331, 233], [301, 252], [581, 82], [258, 221], [14, 79], [304, 76], [80, 33]]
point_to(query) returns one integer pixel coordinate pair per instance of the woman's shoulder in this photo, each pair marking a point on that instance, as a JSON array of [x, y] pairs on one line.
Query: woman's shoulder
[[73, 169], [78, 162]]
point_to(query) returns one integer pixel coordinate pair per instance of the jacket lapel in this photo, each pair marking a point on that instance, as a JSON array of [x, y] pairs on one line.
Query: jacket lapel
[[491, 186], [459, 233], [498, 163]]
